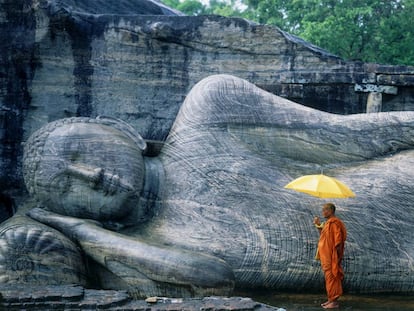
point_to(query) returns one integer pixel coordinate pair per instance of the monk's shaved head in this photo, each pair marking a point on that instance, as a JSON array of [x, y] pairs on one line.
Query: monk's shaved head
[[330, 206]]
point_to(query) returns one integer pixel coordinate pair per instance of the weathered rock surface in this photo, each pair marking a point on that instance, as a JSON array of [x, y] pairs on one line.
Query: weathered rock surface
[[79, 298], [219, 207], [34, 254], [87, 58]]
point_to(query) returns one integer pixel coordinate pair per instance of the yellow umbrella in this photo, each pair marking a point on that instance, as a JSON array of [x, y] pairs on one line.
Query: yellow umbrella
[[321, 186]]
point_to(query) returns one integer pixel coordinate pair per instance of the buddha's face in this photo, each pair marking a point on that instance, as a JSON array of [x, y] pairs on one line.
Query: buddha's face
[[89, 170]]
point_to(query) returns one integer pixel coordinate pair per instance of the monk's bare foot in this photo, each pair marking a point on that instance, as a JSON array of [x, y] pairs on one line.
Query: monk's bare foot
[[331, 305], [325, 303]]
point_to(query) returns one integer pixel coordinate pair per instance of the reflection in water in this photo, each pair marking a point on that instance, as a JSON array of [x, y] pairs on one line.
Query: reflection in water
[[310, 302]]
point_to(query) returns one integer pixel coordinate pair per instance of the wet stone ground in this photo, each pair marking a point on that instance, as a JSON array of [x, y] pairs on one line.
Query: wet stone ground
[[79, 298], [311, 302]]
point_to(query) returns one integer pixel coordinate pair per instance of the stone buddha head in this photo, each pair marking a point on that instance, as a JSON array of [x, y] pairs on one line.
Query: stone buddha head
[[87, 168]]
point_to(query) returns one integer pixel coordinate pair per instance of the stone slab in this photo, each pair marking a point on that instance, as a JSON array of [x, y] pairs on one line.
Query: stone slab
[[75, 297]]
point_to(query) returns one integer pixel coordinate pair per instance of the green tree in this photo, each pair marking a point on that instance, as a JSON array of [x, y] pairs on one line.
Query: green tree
[[371, 30], [224, 8], [189, 7], [396, 42], [214, 7]]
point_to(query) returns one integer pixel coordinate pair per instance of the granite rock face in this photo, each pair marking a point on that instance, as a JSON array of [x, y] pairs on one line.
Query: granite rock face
[[215, 198], [23, 244], [137, 60]]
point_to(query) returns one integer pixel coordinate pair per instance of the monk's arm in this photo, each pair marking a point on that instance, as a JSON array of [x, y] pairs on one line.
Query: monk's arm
[[338, 249], [339, 239], [318, 224], [319, 229]]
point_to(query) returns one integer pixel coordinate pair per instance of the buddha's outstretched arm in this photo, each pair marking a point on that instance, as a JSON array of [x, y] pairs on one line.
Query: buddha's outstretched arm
[[141, 265], [274, 126]]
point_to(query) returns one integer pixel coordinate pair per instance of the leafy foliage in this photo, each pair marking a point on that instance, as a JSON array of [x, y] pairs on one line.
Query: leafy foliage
[[379, 31]]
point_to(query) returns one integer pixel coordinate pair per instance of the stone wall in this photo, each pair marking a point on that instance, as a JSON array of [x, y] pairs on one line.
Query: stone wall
[[81, 58]]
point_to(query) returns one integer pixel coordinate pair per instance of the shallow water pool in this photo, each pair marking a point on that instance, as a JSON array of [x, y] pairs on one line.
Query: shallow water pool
[[310, 302]]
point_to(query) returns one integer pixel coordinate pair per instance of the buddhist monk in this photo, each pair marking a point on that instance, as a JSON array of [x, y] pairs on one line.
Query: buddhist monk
[[330, 253]]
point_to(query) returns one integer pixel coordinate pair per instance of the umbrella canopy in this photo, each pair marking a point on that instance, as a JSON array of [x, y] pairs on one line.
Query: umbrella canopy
[[321, 186]]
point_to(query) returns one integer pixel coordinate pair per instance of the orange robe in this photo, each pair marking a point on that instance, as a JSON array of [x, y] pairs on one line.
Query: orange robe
[[330, 252]]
